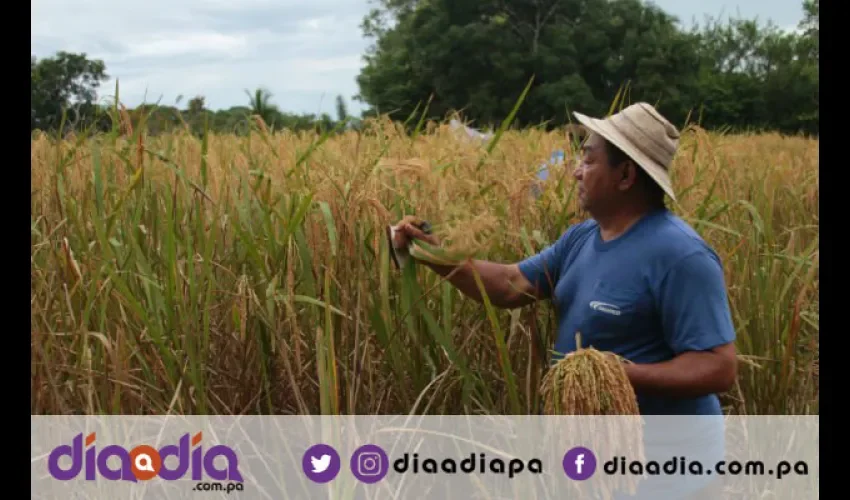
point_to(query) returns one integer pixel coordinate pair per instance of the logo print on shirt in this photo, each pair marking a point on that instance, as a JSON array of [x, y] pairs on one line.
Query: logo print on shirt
[[605, 307]]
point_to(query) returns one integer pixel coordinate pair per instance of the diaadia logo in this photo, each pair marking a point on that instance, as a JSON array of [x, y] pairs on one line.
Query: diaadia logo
[[143, 462]]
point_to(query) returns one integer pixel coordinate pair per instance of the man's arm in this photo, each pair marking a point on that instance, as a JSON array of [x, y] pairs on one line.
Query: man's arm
[[690, 374], [697, 324], [505, 284]]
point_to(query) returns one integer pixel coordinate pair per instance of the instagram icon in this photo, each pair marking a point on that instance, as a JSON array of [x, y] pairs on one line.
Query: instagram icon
[[369, 463]]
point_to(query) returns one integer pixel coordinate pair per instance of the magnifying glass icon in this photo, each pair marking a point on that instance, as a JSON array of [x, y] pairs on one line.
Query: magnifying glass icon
[[143, 462]]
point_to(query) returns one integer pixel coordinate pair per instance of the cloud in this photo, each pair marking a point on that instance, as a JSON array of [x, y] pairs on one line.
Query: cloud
[[190, 43], [305, 53]]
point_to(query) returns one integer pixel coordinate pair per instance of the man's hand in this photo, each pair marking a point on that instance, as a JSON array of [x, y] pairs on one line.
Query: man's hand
[[408, 229]]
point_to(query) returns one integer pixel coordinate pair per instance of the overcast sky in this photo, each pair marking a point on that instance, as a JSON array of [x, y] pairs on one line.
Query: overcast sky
[[304, 52]]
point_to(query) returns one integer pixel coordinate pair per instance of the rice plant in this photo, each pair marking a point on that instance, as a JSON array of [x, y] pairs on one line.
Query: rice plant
[[250, 274]]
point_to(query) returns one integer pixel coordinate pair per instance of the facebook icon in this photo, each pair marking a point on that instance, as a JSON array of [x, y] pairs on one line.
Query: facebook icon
[[579, 463]]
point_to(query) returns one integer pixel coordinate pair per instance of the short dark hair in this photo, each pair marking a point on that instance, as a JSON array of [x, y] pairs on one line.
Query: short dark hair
[[616, 156]]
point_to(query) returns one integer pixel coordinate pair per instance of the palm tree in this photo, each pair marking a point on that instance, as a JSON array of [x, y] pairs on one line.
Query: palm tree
[[260, 103]]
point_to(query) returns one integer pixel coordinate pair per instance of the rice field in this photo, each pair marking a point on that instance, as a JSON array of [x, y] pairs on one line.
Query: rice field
[[250, 275]]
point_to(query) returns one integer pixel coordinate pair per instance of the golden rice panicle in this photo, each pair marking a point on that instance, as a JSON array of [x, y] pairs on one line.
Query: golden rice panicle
[[589, 382], [593, 384]]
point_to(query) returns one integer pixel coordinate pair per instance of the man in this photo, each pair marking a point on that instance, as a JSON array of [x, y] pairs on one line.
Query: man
[[634, 279]]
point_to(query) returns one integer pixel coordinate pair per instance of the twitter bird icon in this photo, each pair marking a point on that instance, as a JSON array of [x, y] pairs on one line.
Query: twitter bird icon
[[321, 463]]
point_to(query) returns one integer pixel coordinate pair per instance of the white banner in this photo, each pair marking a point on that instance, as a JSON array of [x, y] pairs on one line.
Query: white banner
[[409, 457]]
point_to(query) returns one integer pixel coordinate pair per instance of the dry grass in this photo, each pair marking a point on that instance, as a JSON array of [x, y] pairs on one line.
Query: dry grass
[[250, 274]]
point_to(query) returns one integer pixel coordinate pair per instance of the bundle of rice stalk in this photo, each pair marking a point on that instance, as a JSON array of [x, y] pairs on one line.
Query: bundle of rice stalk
[[589, 382], [426, 252], [592, 385]]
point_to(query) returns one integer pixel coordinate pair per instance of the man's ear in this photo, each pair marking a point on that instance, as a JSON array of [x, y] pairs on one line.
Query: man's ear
[[629, 177]]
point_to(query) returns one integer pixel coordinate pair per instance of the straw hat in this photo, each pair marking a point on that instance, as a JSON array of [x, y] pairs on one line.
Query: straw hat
[[644, 135]]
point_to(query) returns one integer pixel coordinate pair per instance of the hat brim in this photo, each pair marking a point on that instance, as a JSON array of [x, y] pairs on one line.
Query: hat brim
[[610, 133]]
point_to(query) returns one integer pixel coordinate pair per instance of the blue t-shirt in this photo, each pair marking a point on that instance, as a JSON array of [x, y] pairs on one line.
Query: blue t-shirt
[[653, 292]]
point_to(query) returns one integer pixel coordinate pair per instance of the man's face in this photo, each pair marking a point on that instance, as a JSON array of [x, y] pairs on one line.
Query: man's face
[[597, 180]]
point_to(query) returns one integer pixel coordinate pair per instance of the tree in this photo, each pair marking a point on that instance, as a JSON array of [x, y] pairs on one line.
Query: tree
[[64, 83], [196, 105], [810, 25], [757, 77], [341, 110], [477, 56], [260, 103]]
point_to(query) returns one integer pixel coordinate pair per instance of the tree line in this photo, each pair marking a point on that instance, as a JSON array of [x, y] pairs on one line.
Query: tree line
[[430, 58]]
